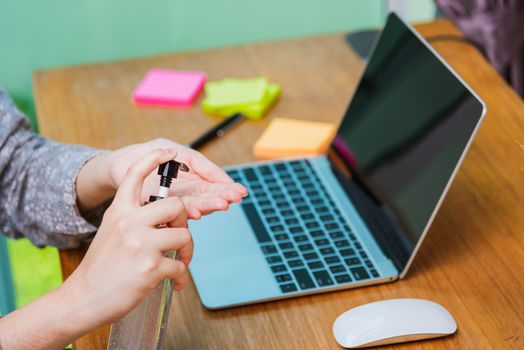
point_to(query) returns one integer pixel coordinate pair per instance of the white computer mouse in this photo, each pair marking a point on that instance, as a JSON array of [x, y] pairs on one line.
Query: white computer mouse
[[392, 321]]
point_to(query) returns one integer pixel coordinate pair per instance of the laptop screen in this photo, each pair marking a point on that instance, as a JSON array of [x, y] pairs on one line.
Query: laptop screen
[[404, 133]]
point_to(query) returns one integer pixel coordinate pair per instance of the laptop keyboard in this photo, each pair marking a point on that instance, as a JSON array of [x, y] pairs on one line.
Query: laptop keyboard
[[305, 239]]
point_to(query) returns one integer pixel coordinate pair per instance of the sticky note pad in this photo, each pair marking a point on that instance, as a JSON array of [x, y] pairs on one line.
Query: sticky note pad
[[292, 137], [252, 97], [169, 87]]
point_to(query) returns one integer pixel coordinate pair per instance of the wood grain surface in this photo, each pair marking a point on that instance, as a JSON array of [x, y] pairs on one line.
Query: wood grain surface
[[472, 261]]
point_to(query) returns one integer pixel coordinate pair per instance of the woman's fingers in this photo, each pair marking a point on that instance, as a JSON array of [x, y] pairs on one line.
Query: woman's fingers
[[232, 192], [206, 169], [136, 174], [167, 210], [173, 239], [198, 206], [172, 269]]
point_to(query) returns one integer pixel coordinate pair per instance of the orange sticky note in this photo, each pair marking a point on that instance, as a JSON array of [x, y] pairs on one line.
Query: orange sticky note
[[292, 137]]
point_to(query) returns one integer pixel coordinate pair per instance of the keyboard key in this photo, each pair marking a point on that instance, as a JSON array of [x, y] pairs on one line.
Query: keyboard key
[[287, 212], [327, 251], [283, 278], [281, 237], [250, 175], [282, 205], [273, 220], [295, 263], [288, 288], [291, 221], [256, 187], [278, 196], [269, 249], [311, 256], [305, 247], [352, 261], [337, 269], [347, 252], [280, 166], [298, 200], [265, 170], [302, 208], [368, 263], [295, 229], [301, 238], [323, 278], [277, 228], [304, 279], [326, 218], [317, 233], [342, 243], [352, 237], [332, 226], [358, 246], [232, 172], [274, 259], [256, 223], [322, 209], [374, 273], [312, 224], [307, 216], [291, 254], [286, 246], [336, 235], [315, 265], [317, 202], [343, 278], [359, 273], [293, 192], [268, 211], [321, 242], [363, 254], [312, 193], [279, 268], [264, 203], [332, 260]]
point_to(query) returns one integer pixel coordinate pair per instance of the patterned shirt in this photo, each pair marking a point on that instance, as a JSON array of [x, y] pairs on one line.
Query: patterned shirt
[[37, 184]]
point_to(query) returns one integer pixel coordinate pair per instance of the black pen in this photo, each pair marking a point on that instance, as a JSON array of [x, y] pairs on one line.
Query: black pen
[[217, 131]]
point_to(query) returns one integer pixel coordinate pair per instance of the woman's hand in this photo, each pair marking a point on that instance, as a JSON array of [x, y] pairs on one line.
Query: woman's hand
[[205, 189], [124, 263], [126, 259]]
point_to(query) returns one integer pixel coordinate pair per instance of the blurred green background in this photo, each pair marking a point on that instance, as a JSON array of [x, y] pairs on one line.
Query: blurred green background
[[43, 34]]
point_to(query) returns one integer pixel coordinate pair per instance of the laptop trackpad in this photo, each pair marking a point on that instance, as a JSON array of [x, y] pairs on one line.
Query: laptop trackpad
[[228, 267]]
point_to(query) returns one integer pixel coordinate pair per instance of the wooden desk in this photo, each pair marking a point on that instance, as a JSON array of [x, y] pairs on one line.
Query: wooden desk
[[472, 261]]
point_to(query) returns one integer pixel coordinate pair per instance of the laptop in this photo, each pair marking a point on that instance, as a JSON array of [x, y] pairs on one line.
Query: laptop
[[357, 215]]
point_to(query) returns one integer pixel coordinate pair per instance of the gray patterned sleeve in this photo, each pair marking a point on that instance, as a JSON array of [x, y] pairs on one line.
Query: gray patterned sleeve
[[37, 184]]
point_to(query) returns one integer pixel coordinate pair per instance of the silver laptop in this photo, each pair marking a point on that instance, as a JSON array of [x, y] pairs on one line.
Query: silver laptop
[[358, 215]]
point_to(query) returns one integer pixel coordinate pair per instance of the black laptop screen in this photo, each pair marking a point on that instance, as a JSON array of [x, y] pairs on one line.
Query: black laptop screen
[[402, 137]]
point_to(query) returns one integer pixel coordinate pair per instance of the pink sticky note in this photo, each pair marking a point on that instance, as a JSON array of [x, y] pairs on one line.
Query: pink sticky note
[[169, 87]]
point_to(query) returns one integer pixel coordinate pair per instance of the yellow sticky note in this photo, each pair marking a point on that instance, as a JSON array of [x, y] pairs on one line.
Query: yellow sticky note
[[292, 137]]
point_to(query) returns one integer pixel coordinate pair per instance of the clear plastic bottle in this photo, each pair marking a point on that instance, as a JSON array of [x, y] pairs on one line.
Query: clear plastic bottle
[[144, 328]]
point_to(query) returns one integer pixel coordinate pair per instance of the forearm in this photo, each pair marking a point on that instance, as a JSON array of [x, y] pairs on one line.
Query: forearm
[[38, 183], [51, 322]]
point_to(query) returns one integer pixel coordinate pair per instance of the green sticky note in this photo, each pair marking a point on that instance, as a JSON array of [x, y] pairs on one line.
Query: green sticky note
[[253, 97]]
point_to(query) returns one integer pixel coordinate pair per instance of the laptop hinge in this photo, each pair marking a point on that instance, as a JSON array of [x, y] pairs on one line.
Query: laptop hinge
[[386, 233]]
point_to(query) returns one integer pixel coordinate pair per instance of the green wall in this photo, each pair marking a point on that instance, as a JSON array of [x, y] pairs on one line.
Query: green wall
[[41, 34]]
